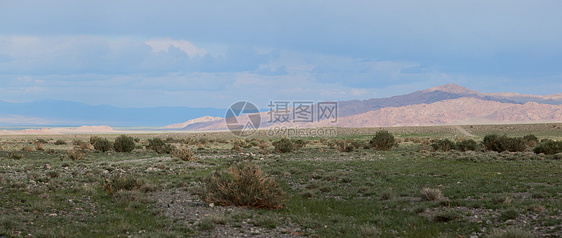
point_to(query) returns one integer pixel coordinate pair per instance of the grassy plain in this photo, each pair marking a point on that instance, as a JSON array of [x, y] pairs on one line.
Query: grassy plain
[[362, 193]]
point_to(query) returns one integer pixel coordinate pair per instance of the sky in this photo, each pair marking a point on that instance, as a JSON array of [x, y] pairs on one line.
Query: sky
[[213, 53]]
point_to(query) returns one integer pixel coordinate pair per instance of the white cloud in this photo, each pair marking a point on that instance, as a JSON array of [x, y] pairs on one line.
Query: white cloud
[[186, 46]]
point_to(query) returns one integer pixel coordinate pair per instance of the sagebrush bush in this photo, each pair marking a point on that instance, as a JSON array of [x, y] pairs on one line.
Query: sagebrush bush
[[60, 142], [531, 140], [503, 143], [159, 146], [467, 145], [75, 155], [284, 145], [39, 147], [244, 184], [444, 145], [101, 144], [344, 146], [429, 194], [41, 141], [184, 154], [27, 149], [122, 182], [383, 140], [16, 156], [549, 148], [124, 143]]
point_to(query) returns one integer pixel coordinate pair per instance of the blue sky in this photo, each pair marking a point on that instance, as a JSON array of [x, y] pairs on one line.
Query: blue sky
[[213, 53]]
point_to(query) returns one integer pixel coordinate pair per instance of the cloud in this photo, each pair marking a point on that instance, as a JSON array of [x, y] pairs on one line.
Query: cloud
[[186, 46]]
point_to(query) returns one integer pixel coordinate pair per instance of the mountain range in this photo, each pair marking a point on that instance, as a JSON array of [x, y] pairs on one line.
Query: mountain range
[[51, 113], [444, 105]]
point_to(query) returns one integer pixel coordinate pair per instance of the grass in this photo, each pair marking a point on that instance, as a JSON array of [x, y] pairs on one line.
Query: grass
[[362, 193]]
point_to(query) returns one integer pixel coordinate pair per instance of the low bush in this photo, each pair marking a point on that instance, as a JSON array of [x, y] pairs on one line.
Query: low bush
[[75, 155], [244, 184], [429, 194], [184, 154], [124, 143], [497, 143], [16, 156], [344, 146], [549, 148], [101, 144], [531, 140], [444, 145], [122, 182], [41, 141], [383, 140], [159, 146], [27, 149], [60, 142], [468, 145], [284, 145]]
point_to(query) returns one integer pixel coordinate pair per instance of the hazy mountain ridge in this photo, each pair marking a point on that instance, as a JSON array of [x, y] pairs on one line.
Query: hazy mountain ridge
[[447, 104], [55, 112]]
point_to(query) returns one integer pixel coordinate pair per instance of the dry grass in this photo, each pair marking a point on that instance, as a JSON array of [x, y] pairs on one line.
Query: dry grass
[[429, 194], [244, 184]]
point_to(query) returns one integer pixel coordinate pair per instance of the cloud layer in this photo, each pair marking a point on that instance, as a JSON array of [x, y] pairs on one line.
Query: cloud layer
[[198, 54]]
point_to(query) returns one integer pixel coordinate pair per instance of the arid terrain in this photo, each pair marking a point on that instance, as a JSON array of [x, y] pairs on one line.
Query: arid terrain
[[70, 185]]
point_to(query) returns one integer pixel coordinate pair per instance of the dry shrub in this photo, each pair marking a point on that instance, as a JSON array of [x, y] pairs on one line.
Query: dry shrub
[[16, 156], [184, 154], [27, 149], [122, 182], [38, 146], [75, 155], [429, 194], [244, 184]]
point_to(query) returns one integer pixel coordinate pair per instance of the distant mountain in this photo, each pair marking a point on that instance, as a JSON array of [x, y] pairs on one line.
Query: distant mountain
[[436, 94], [65, 113], [446, 104], [193, 121]]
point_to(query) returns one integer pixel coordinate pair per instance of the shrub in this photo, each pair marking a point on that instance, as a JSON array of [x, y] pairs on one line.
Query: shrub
[[159, 146], [101, 144], [284, 145], [531, 140], [39, 147], [41, 141], [429, 194], [184, 154], [510, 233], [16, 156], [550, 147], [244, 184], [122, 182], [60, 142], [503, 143], [344, 146], [444, 145], [75, 155], [467, 145], [509, 213], [27, 149], [445, 216], [77, 141], [124, 143], [383, 140], [299, 143]]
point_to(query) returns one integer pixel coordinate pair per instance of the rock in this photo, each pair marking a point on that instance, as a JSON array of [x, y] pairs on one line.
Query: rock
[[47, 166]]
